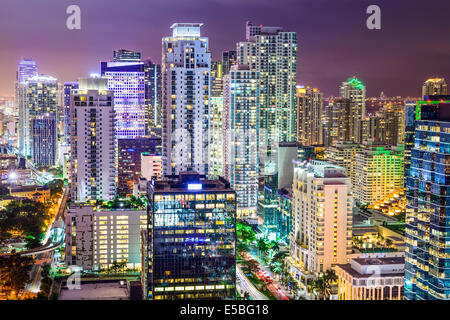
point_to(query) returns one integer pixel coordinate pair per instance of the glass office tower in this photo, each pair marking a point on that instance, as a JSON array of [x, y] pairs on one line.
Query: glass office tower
[[427, 257], [189, 246]]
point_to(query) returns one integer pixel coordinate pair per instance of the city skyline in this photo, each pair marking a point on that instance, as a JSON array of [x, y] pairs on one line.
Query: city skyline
[[334, 43]]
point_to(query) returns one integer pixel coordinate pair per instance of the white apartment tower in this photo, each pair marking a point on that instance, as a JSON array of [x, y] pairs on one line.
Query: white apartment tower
[[186, 68], [93, 146], [273, 53], [241, 127], [321, 235]]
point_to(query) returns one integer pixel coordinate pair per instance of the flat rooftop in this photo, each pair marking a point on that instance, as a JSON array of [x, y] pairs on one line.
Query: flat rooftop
[[188, 182], [96, 291], [379, 261]]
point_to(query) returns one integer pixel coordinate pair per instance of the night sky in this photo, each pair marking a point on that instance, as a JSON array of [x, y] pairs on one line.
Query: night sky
[[334, 43]]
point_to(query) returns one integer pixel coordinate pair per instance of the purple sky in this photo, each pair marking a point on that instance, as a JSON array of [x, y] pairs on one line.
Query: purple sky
[[334, 44]]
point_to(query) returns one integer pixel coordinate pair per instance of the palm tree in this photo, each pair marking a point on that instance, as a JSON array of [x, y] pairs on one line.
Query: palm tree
[[277, 268], [262, 246], [311, 288]]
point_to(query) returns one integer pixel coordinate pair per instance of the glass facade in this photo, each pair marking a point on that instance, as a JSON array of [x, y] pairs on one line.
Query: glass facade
[[427, 260], [191, 239]]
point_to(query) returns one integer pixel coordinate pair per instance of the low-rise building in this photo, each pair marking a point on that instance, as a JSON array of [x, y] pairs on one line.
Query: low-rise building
[[376, 277], [96, 238], [36, 193]]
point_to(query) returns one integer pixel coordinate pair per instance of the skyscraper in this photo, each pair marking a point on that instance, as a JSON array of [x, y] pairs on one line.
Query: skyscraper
[[39, 97], [309, 116], [153, 112], [93, 143], [67, 91], [43, 140], [126, 79], [273, 53], [124, 55], [228, 59], [216, 164], [241, 109], [354, 90], [387, 125], [322, 203], [434, 87], [377, 173], [27, 69], [189, 245], [427, 186], [338, 121], [186, 69], [129, 161]]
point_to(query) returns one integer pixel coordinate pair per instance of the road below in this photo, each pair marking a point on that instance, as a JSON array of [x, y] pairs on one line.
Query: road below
[[245, 285]]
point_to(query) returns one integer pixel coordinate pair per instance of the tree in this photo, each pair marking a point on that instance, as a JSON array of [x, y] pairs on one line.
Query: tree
[[245, 233], [388, 242], [27, 218], [46, 283], [277, 268], [323, 284], [250, 266], [262, 246], [14, 271], [56, 188]]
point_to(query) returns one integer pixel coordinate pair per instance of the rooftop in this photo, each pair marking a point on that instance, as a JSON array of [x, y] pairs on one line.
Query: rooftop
[[96, 291], [188, 182]]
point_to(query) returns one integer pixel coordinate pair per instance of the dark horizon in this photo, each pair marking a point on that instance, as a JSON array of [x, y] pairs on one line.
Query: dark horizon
[[333, 41]]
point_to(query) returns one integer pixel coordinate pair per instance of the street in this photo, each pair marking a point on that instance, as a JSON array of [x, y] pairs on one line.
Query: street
[[244, 284]]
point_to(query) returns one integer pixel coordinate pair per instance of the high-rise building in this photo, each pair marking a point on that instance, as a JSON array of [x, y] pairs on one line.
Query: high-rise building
[[434, 87], [43, 140], [343, 155], [93, 142], [377, 173], [228, 59], [189, 246], [216, 164], [354, 90], [387, 126], [309, 116], [126, 79], [410, 120], [39, 95], [27, 69], [322, 203], [152, 95], [241, 109], [273, 53], [151, 166], [124, 55], [68, 87], [427, 186], [338, 122], [129, 161], [186, 71]]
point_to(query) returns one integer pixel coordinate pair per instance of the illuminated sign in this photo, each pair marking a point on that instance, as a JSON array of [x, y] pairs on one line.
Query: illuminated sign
[[194, 186]]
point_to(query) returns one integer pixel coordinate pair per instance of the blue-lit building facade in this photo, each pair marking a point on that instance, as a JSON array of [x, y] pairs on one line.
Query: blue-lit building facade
[[43, 140], [189, 245], [126, 79], [427, 256]]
